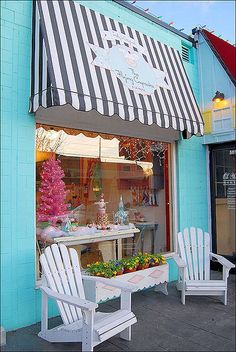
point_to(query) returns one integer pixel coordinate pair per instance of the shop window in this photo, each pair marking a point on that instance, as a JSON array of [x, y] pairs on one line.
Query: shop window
[[115, 166]]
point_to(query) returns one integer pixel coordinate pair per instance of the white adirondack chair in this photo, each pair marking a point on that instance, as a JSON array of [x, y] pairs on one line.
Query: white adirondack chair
[[63, 282], [194, 266]]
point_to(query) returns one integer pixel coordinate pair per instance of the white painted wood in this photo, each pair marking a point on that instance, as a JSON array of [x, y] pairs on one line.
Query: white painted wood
[[195, 255], [202, 292], [114, 282], [44, 321], [2, 336], [182, 252], [81, 322], [225, 262], [111, 288], [114, 320], [106, 235], [225, 298], [188, 253], [180, 262], [194, 252], [126, 304], [200, 251], [60, 277], [77, 272], [87, 331], [207, 255], [174, 195], [75, 301], [71, 279], [117, 329], [52, 285], [205, 283]]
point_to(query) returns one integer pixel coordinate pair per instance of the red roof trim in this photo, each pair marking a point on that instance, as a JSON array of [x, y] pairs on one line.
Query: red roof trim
[[225, 52]]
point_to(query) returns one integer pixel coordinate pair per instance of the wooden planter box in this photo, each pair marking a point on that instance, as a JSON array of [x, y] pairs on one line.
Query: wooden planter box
[[158, 275]]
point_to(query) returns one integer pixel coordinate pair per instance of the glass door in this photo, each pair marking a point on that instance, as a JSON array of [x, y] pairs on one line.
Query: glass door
[[223, 192]]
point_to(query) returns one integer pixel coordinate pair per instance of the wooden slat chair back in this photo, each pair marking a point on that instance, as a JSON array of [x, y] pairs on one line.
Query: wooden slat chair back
[[62, 270], [194, 247], [194, 266]]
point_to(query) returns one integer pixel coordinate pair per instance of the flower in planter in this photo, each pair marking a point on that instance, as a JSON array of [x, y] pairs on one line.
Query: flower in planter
[[163, 260], [157, 259], [100, 269], [125, 265], [144, 261], [130, 264], [117, 267], [154, 260]]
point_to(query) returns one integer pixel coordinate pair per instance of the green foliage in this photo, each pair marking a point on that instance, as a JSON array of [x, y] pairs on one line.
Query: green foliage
[[116, 267]]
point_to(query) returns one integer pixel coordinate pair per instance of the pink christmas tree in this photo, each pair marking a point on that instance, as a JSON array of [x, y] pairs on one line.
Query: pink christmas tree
[[53, 192]]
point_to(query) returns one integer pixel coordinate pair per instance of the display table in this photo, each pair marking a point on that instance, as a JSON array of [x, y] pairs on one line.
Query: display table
[[101, 236], [156, 276], [143, 226]]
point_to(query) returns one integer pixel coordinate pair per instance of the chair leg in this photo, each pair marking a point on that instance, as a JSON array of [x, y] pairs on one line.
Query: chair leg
[[125, 303], [126, 334], [225, 298], [87, 347], [183, 296], [87, 333]]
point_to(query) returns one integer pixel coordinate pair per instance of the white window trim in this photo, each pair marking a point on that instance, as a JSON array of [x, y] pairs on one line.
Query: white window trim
[[174, 197]]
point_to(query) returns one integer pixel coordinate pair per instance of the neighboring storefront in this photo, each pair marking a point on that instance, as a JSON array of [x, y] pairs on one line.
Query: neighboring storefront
[[217, 82], [111, 99]]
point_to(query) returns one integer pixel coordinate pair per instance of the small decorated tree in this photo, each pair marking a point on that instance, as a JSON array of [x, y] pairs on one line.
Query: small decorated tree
[[53, 192]]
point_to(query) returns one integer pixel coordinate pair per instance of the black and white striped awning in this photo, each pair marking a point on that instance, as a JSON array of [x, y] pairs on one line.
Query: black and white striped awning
[[83, 58]]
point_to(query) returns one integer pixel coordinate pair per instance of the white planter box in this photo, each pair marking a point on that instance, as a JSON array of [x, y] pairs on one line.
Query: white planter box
[[98, 292]]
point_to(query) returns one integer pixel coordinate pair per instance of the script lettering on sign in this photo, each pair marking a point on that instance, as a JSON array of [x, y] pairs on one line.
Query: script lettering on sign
[[128, 64]]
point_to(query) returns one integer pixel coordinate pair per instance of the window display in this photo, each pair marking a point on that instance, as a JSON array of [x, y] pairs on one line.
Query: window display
[[88, 182]]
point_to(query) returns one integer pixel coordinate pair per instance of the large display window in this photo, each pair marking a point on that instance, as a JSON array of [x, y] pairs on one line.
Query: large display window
[[126, 173]]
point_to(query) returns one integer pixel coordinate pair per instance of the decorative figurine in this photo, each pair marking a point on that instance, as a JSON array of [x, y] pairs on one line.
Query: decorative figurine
[[66, 226], [102, 216], [121, 216]]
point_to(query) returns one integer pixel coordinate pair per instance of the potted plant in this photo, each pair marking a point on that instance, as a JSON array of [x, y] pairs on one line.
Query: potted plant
[[130, 264], [117, 267], [100, 269], [125, 265], [157, 259], [154, 260], [144, 261]]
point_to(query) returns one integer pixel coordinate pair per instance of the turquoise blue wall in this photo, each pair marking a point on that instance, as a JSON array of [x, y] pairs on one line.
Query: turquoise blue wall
[[17, 165], [192, 189], [20, 301], [192, 184]]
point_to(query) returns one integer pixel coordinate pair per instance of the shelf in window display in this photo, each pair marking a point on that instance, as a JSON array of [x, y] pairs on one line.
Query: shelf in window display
[[51, 234]]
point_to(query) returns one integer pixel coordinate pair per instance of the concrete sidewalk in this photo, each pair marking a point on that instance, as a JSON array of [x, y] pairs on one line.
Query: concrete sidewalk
[[164, 324]]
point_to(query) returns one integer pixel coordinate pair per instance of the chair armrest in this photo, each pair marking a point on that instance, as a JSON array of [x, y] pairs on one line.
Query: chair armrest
[[225, 262], [180, 262], [74, 301], [124, 286]]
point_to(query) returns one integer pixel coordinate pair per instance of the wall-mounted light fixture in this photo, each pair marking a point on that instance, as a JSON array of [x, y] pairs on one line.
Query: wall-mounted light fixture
[[218, 97]]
